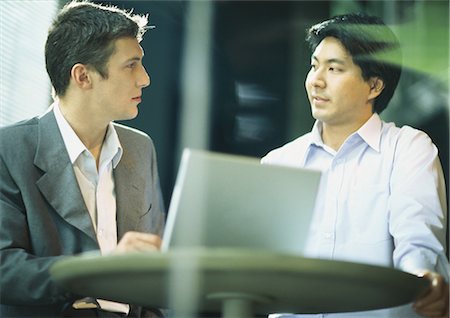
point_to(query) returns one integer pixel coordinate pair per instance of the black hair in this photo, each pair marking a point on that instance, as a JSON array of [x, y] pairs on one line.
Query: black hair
[[84, 32], [372, 45]]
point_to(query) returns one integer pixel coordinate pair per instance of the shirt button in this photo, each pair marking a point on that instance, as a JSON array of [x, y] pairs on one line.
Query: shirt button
[[328, 235]]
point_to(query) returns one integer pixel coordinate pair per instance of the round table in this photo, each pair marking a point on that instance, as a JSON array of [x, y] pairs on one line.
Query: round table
[[237, 283]]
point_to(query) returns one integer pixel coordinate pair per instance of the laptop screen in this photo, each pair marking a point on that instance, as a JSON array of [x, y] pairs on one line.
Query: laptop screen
[[230, 201]]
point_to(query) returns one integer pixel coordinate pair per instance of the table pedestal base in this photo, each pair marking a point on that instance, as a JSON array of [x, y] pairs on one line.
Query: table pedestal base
[[237, 305]]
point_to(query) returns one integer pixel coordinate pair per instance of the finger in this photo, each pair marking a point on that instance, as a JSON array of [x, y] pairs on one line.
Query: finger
[[435, 291], [141, 237], [135, 246], [142, 247], [150, 239], [136, 241], [149, 242], [437, 308], [435, 311]]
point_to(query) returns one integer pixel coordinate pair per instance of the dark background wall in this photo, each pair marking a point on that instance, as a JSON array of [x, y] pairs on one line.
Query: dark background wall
[[159, 111]]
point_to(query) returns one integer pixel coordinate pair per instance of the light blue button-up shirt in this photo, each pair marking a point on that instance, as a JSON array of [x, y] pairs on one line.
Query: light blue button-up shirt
[[381, 199]]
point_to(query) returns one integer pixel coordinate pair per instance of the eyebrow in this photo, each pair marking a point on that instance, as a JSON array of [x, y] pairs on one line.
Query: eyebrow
[[136, 58], [330, 61]]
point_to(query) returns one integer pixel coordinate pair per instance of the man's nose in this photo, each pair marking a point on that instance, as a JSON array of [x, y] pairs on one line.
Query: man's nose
[[317, 78], [144, 79]]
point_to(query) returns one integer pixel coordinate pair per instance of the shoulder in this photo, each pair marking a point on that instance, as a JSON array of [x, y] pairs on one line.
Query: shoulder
[[130, 132], [407, 139], [19, 137], [18, 144], [291, 153], [135, 143], [408, 149], [129, 135], [20, 128]]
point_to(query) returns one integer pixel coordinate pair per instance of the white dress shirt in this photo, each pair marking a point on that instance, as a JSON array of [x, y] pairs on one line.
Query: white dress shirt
[[97, 189], [381, 200], [97, 186]]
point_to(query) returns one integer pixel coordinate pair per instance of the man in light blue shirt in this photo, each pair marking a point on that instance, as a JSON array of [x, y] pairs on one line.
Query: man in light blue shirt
[[382, 195]]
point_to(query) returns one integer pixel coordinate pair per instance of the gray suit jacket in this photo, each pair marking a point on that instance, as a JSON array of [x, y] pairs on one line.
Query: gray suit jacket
[[43, 217]]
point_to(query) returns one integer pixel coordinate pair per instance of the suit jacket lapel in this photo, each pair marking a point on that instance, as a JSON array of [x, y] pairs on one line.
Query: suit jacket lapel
[[58, 184]]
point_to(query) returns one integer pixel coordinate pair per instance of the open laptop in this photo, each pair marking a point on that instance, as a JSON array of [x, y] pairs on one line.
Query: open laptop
[[233, 201]]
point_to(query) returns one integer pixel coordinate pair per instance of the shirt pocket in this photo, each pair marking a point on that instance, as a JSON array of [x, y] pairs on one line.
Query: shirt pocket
[[368, 214]]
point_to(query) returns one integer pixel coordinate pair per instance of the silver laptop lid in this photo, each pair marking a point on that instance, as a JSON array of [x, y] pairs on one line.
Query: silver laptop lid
[[235, 202]]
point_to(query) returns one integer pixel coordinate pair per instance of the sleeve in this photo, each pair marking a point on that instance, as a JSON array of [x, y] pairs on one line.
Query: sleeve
[[418, 211], [25, 278]]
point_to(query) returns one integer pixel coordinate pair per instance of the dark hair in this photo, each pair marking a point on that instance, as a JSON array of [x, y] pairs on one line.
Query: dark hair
[[372, 45], [84, 32]]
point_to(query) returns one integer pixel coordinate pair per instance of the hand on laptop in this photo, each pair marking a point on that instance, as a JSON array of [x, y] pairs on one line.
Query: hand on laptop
[[138, 242]]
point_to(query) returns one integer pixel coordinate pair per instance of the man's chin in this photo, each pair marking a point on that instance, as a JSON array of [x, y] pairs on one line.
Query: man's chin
[[130, 115], [319, 115]]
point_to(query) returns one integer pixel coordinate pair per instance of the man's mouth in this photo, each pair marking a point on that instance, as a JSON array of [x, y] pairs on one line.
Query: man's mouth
[[319, 98]]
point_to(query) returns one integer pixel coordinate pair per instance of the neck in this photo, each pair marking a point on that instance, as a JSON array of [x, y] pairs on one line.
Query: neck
[[89, 129], [335, 135]]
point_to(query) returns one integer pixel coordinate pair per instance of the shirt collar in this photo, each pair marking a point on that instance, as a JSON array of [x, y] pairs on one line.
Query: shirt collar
[[111, 149], [73, 144], [316, 134], [315, 140], [370, 132]]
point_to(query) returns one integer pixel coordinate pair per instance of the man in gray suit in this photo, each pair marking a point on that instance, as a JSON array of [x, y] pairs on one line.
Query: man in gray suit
[[72, 180]]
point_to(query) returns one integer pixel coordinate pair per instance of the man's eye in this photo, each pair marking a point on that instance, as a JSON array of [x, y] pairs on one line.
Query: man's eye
[[131, 65], [335, 69]]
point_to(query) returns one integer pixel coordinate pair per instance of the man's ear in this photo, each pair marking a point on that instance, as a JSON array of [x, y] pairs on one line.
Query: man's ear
[[81, 76], [376, 87]]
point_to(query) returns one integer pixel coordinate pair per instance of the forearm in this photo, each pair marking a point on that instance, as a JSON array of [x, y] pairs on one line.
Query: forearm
[[25, 280]]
